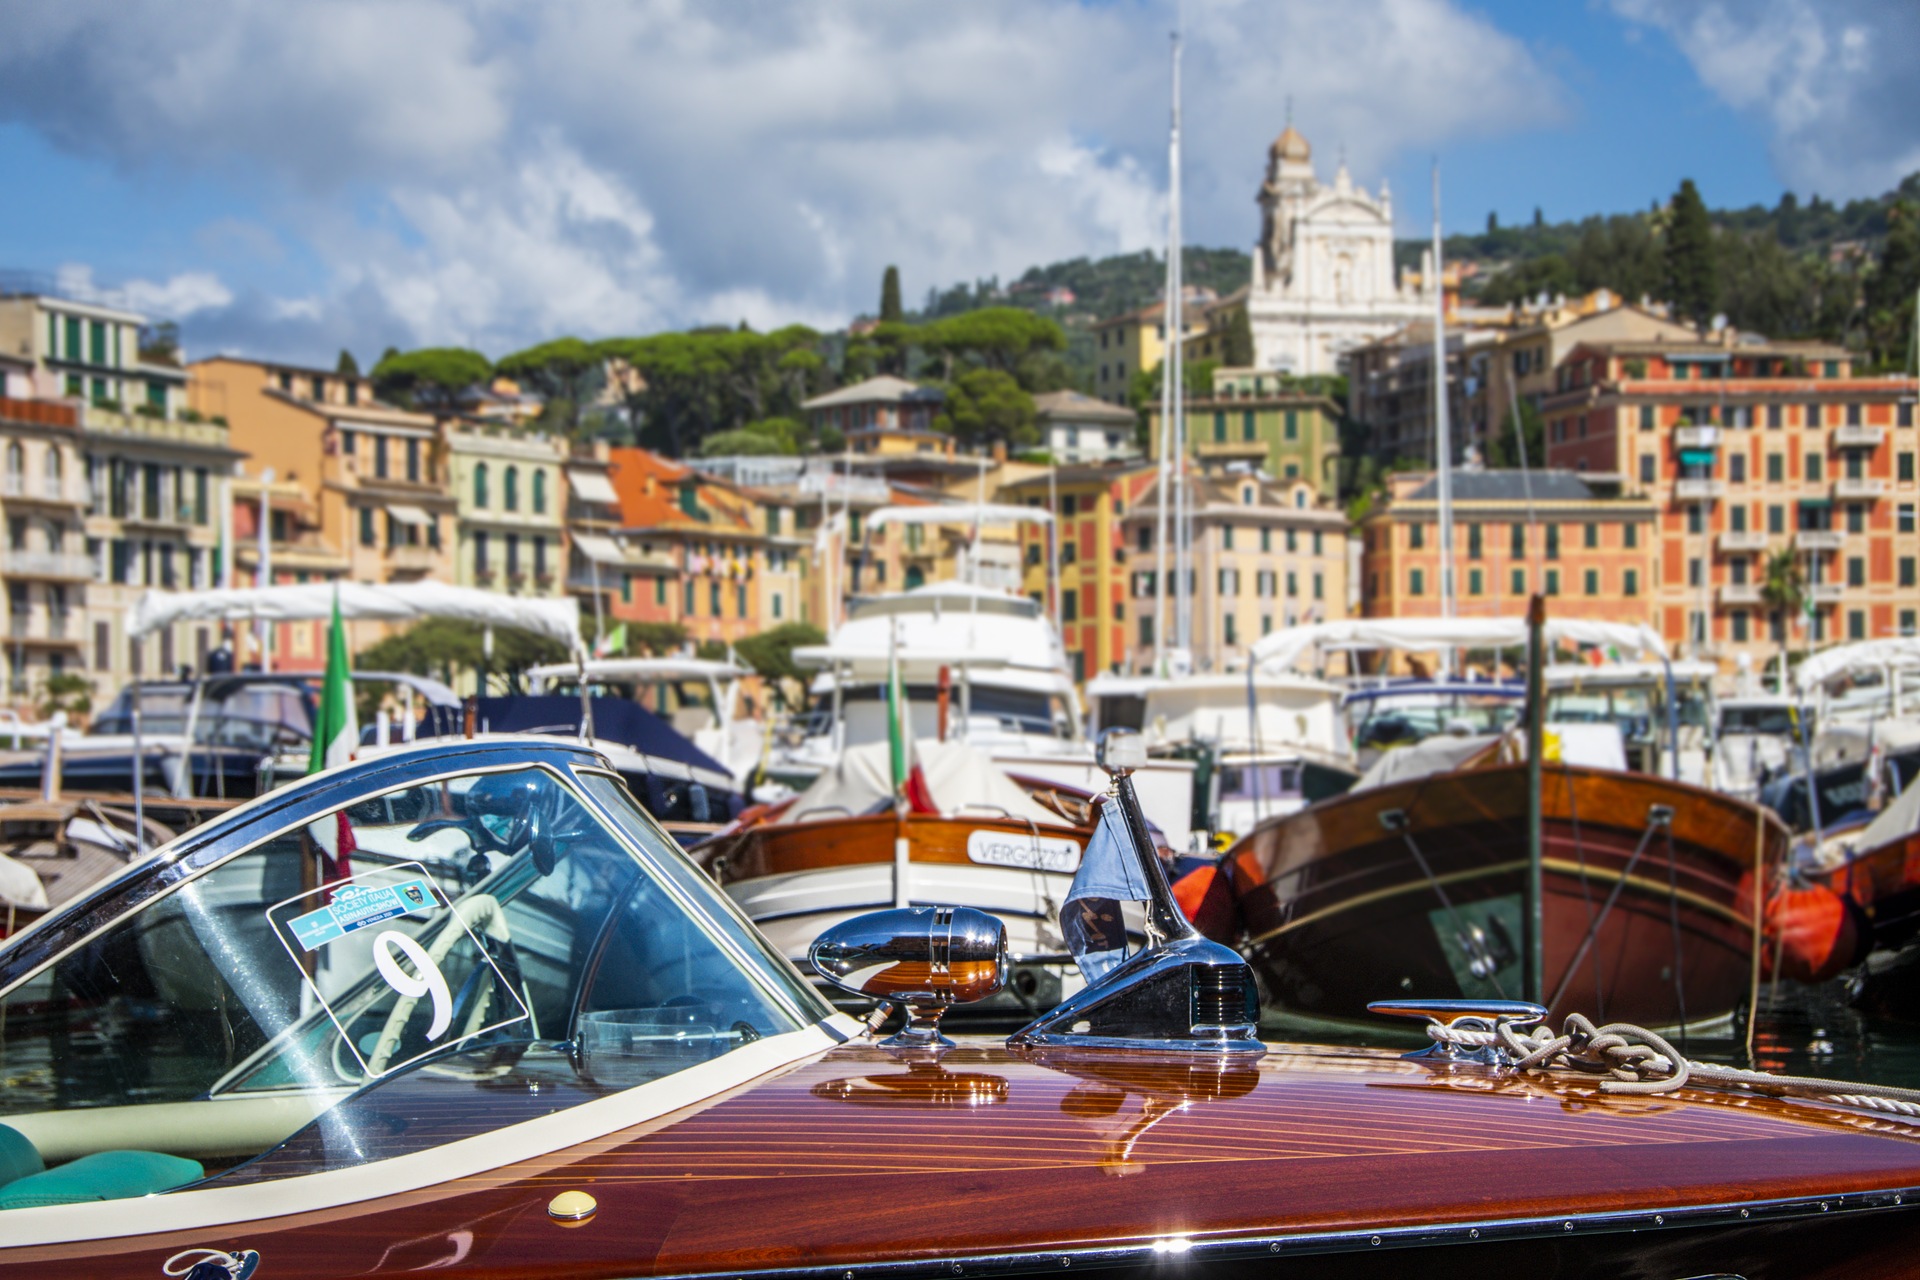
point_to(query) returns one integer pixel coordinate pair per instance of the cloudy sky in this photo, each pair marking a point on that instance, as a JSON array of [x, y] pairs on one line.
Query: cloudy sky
[[290, 177]]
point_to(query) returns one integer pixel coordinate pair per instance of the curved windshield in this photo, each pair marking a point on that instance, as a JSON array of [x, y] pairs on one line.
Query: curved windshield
[[986, 708], [466, 954], [1402, 720]]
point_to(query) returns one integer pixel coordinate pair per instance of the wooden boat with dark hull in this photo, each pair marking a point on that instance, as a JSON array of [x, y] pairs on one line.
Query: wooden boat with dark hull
[[557, 1051], [1419, 888]]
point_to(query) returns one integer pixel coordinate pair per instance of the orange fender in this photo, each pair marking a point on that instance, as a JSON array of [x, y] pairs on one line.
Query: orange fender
[[1207, 900], [1814, 931]]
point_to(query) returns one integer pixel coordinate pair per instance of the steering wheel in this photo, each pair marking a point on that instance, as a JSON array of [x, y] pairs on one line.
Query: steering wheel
[[483, 914]]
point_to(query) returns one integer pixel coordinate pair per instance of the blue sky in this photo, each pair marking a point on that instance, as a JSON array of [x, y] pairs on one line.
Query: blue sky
[[289, 179]]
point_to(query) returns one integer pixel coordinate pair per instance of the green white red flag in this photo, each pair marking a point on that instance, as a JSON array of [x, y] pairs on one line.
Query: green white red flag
[[336, 728], [909, 782]]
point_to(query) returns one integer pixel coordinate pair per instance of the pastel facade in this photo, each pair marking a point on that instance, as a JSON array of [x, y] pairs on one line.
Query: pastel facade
[[1514, 534], [1747, 447]]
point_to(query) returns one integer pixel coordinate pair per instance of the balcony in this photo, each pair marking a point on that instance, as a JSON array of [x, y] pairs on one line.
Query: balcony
[[1694, 490], [49, 565], [1745, 540], [162, 516], [412, 558], [1697, 437], [1818, 539], [1740, 593], [1827, 592], [1858, 437], [1230, 448], [59, 629], [1856, 489], [42, 489]]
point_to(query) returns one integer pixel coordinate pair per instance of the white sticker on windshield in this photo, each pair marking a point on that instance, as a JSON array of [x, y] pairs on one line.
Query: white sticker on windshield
[[439, 972]]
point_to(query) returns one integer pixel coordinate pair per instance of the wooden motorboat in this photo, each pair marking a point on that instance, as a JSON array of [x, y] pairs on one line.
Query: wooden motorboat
[[843, 847], [1419, 887], [569, 1057]]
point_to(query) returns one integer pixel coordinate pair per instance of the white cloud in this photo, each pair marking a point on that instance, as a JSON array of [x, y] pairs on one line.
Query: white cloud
[[1833, 80], [496, 172], [175, 298]]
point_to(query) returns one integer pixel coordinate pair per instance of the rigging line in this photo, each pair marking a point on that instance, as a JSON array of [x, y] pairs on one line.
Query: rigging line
[[1759, 897], [1396, 820], [1673, 914], [1586, 890], [1655, 820]]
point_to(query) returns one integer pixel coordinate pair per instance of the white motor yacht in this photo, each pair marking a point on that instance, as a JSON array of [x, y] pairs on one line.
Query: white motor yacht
[[980, 666], [1277, 742]]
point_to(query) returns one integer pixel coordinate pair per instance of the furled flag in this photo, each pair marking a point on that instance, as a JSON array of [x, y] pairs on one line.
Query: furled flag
[[1110, 873], [336, 734], [613, 642], [909, 782]]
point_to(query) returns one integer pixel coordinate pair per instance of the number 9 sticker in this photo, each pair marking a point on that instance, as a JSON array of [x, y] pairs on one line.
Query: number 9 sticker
[[430, 982]]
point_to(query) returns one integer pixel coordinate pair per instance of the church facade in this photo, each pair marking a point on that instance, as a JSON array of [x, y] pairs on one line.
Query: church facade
[[1323, 275]]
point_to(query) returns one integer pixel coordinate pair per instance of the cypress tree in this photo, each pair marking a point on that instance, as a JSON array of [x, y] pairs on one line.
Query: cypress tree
[[890, 309], [1239, 344], [1692, 285]]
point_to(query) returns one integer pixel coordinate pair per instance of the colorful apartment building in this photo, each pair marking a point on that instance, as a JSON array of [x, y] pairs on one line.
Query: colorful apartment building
[[1078, 429], [510, 509], [1266, 554], [1748, 448], [1265, 421], [1134, 343], [1091, 605], [1514, 534], [889, 414], [375, 476]]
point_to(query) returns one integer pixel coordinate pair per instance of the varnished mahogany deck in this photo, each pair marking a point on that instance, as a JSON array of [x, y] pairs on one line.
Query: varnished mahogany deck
[[856, 1158]]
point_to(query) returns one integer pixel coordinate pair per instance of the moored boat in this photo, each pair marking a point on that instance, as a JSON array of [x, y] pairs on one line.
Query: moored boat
[[1420, 887]]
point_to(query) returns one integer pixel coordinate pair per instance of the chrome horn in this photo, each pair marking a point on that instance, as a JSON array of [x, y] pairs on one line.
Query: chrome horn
[[927, 958]]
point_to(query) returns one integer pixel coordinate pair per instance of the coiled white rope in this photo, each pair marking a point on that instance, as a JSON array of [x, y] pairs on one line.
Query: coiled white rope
[[1638, 1061]]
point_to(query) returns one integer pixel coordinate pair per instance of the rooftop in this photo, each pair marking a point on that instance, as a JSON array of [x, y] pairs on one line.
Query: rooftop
[[1509, 486], [1084, 408], [885, 389]]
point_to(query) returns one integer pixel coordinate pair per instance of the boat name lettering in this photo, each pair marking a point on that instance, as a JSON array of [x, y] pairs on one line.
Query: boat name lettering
[[1023, 850]]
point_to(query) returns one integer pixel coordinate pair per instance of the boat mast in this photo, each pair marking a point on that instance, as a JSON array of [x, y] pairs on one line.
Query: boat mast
[[1173, 364], [1164, 477], [1442, 435]]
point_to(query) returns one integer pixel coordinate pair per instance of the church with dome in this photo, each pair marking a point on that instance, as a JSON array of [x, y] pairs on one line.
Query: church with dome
[[1323, 275]]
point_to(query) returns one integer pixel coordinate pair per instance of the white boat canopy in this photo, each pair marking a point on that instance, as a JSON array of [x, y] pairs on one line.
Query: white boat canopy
[[639, 669], [299, 602], [1421, 635], [988, 513], [1868, 654]]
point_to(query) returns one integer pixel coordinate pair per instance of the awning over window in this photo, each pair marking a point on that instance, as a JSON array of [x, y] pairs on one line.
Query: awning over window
[[1816, 502], [409, 515], [599, 549], [592, 486], [1696, 457]]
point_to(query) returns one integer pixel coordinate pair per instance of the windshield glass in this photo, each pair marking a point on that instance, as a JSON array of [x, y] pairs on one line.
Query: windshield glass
[[1763, 720], [1259, 781], [986, 707], [468, 953], [263, 717], [1390, 721]]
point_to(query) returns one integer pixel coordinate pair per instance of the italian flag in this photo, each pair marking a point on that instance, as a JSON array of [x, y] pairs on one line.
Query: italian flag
[[909, 782], [336, 734], [336, 729]]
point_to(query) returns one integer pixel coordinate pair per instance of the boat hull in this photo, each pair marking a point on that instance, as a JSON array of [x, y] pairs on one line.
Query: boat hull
[[1337, 909]]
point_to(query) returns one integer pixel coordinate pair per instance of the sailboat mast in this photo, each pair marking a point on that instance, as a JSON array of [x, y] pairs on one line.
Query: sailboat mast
[[1164, 477], [1174, 364], [1442, 434]]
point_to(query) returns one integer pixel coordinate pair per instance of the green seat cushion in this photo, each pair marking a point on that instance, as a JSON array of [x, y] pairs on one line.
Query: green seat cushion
[[18, 1158], [107, 1175]]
